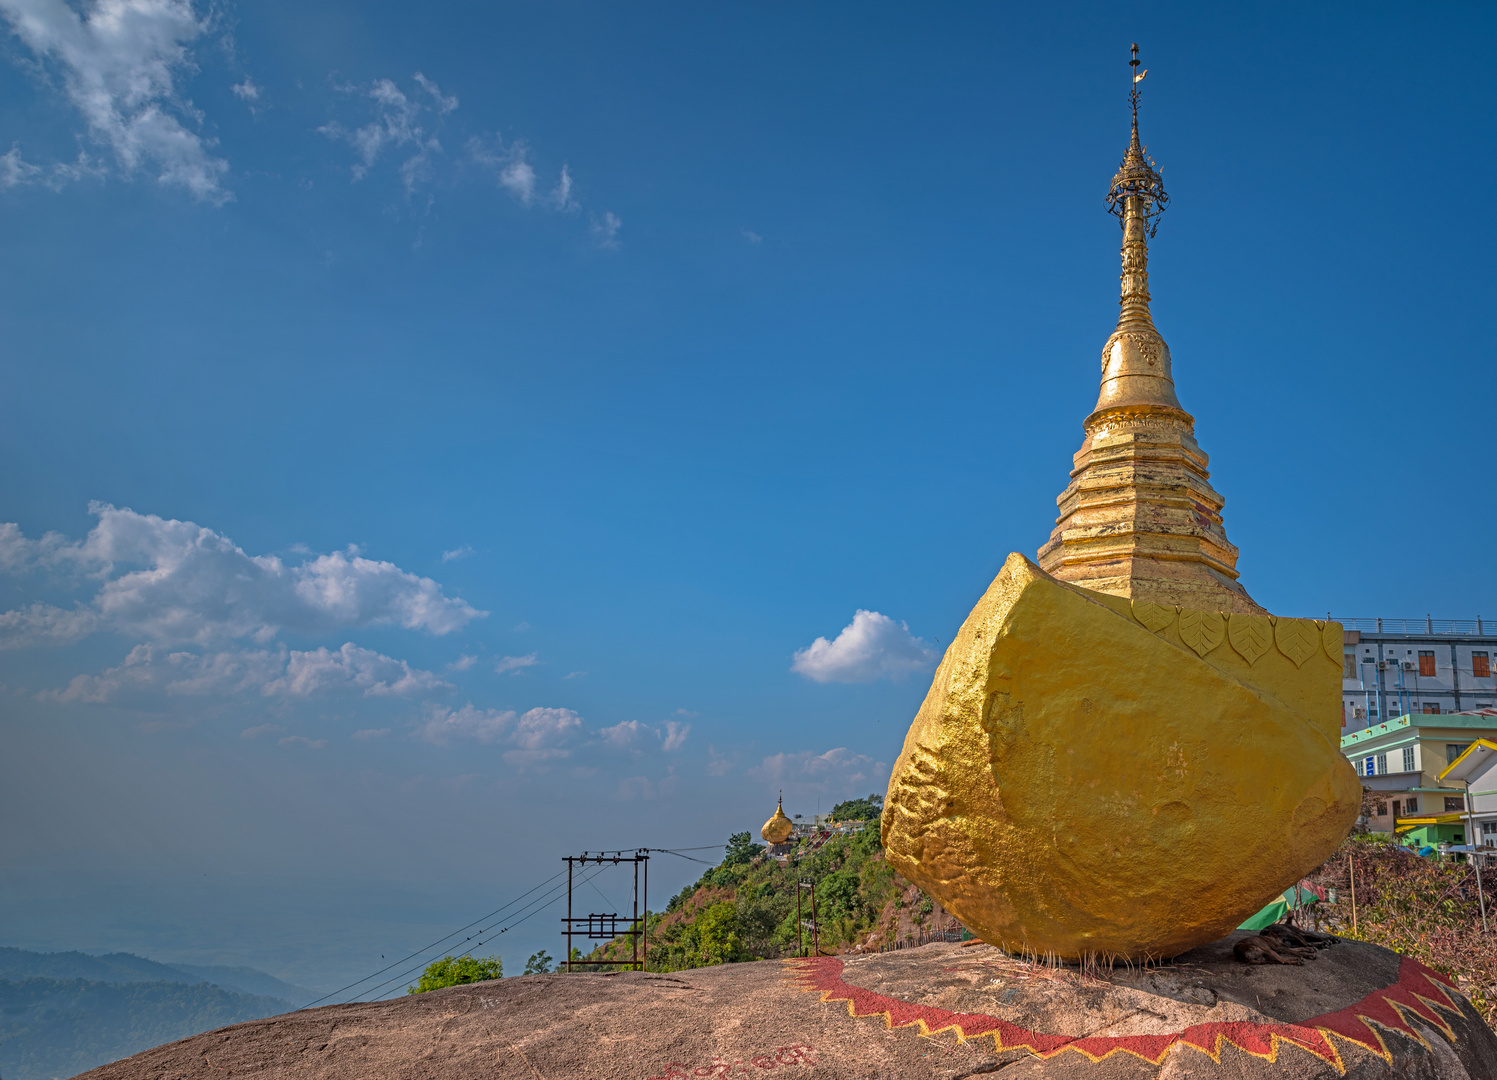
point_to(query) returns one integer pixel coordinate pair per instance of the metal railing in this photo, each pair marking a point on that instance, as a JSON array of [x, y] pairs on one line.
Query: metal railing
[[1425, 627]]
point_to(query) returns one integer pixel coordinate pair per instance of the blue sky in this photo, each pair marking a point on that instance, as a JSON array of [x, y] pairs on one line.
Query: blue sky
[[434, 432]]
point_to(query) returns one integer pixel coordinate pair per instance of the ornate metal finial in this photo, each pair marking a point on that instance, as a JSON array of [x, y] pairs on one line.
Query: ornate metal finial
[[1137, 176]]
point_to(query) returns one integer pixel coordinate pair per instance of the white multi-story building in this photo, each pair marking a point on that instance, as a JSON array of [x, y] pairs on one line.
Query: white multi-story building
[[1394, 667]]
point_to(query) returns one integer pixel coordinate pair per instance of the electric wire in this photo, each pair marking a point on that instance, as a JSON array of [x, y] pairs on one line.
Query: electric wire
[[439, 940], [538, 905], [543, 902]]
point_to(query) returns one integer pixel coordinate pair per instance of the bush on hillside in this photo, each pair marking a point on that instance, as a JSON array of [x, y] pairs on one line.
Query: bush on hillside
[[865, 809], [457, 970]]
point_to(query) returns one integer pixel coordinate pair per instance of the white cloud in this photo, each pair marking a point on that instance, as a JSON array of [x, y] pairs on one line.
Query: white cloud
[[561, 195], [16, 171], [365, 734], [536, 736], [623, 734], [302, 740], [457, 553], [443, 726], [174, 581], [352, 668], [675, 735], [122, 61], [282, 673], [463, 663], [519, 178], [605, 230], [247, 91], [43, 624], [751, 236], [872, 646], [258, 730], [401, 122], [513, 665], [575, 675], [834, 770]]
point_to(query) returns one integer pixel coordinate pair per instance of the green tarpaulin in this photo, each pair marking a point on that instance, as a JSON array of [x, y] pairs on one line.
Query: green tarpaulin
[[1276, 911]]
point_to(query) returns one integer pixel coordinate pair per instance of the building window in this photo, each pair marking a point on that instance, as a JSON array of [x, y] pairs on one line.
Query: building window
[[1454, 805], [1454, 750], [1488, 828], [1382, 764], [1395, 808], [1481, 665], [1411, 806], [1426, 662], [1408, 759], [1349, 666], [1432, 708]]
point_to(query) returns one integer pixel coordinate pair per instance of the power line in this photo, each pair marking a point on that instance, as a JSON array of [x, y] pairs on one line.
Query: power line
[[439, 940], [538, 905], [544, 902]]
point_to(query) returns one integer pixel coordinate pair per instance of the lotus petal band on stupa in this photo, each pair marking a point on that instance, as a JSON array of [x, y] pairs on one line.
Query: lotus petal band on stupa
[[1121, 754]]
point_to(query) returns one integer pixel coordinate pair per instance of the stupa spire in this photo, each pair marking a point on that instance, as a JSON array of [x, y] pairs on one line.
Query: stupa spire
[[1139, 517]]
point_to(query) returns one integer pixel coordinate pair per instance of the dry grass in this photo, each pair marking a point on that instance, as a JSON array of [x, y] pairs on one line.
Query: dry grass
[[1423, 908]]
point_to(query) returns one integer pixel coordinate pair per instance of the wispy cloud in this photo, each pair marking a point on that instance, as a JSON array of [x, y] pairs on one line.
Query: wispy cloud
[[513, 665], [407, 123], [247, 90], [605, 230], [838, 769], [674, 736], [872, 646], [457, 553], [751, 236], [122, 64]]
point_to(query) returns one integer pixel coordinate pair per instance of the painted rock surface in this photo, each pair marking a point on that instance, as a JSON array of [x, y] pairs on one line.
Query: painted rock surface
[[1090, 776], [941, 1012]]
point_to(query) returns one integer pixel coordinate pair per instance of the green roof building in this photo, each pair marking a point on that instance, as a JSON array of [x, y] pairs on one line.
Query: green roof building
[[1404, 757]]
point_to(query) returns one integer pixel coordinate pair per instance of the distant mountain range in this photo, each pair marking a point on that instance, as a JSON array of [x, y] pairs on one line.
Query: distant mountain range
[[63, 1013]]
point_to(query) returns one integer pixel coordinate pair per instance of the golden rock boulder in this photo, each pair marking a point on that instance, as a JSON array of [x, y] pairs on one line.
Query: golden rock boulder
[[1091, 774]]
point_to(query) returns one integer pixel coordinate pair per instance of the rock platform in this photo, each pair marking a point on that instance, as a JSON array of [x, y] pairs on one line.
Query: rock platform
[[942, 1011]]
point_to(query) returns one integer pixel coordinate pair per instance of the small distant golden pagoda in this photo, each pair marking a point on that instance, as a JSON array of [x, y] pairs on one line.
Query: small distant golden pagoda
[[778, 828], [1140, 518]]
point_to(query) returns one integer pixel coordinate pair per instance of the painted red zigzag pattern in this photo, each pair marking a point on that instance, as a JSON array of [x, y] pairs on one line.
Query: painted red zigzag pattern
[[1418, 992]]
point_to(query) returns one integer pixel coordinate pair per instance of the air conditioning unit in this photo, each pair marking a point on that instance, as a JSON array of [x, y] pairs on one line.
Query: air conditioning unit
[[1407, 666]]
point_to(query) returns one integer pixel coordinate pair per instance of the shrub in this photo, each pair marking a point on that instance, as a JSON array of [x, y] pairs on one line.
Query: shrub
[[456, 970]]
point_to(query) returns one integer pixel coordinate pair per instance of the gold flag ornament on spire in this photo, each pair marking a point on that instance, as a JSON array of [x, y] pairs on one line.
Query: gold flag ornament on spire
[[1140, 518]]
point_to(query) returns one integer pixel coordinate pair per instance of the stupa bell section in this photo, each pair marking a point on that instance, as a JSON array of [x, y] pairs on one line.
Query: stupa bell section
[[1139, 517]]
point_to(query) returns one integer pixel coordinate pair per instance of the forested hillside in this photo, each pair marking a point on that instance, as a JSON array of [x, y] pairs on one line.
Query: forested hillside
[[62, 1013], [745, 908]]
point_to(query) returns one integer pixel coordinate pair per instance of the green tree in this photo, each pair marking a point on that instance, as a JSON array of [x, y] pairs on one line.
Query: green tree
[[538, 964], [741, 849], [866, 809], [717, 933], [456, 970]]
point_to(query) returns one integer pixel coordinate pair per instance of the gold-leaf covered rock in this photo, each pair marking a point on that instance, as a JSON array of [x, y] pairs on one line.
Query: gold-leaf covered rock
[[778, 828], [1077, 784]]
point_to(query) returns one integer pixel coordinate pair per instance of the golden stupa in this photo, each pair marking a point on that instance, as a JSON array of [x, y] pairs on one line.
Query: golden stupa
[[778, 828], [1121, 754]]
